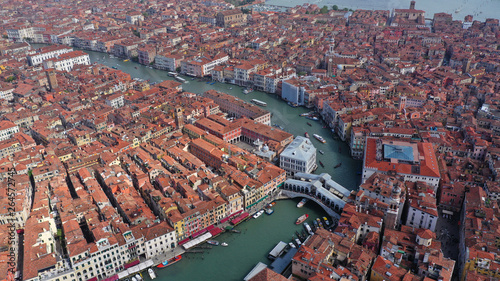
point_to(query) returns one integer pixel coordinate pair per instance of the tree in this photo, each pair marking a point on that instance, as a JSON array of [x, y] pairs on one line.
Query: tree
[[335, 7], [324, 10]]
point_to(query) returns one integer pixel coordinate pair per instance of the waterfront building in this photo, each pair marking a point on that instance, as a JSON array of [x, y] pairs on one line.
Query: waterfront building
[[202, 66], [168, 61], [415, 161], [47, 53], [297, 90], [66, 61], [237, 108], [299, 156]]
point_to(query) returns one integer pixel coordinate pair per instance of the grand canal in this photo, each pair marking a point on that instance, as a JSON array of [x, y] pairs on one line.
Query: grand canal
[[258, 236]]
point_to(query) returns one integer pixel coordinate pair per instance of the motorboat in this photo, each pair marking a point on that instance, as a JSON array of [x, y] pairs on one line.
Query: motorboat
[[258, 214], [213, 242], [291, 245], [306, 134], [321, 151], [297, 240], [151, 273], [322, 165], [302, 218], [169, 262], [269, 211], [338, 165], [224, 244], [320, 138], [302, 203], [309, 124], [259, 102], [326, 221]]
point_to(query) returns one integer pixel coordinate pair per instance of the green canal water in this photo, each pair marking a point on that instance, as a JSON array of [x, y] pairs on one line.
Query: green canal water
[[258, 236]]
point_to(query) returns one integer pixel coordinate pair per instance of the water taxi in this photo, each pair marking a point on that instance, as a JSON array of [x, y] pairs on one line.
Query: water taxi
[[301, 219], [307, 135], [338, 165], [258, 214], [152, 273], [180, 79], [321, 151], [213, 242], [302, 203], [169, 261], [320, 138], [258, 102], [224, 244]]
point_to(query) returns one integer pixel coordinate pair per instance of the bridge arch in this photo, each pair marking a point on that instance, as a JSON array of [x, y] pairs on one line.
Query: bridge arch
[[328, 206]]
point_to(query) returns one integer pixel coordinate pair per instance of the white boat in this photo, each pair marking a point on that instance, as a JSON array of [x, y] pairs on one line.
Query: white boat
[[301, 203], [320, 138], [297, 240], [152, 273], [180, 79], [321, 151], [291, 245], [134, 279], [138, 277], [308, 228], [224, 244], [258, 102], [258, 214]]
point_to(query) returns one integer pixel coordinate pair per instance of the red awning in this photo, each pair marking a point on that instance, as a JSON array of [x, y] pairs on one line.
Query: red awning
[[183, 241]]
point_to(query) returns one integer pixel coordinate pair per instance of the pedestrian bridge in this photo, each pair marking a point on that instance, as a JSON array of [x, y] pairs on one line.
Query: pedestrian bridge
[[328, 208]]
